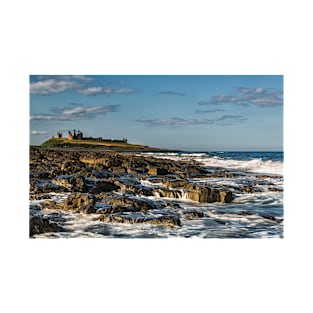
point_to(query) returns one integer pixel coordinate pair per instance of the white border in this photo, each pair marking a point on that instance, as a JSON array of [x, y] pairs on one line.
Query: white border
[[156, 37]]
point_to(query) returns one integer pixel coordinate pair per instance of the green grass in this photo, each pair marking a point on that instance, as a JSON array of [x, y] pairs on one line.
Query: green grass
[[88, 144]]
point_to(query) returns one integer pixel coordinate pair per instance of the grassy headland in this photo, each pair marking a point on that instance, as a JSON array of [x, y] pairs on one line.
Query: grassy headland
[[64, 143]]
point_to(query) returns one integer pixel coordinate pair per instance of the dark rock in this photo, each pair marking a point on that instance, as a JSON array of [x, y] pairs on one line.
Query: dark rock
[[268, 216], [95, 186], [193, 214], [39, 174], [39, 225], [39, 196], [131, 185], [74, 183], [226, 196], [157, 171], [115, 209], [134, 219], [121, 200], [118, 170], [245, 213], [200, 193], [78, 202], [44, 186]]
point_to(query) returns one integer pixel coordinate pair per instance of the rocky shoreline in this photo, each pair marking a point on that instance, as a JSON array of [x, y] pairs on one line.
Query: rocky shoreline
[[116, 187]]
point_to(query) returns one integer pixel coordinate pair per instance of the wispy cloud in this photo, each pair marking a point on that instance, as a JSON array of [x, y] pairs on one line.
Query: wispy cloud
[[66, 77], [48, 86], [39, 132], [75, 113], [51, 84], [172, 93], [262, 97], [175, 121], [94, 91], [210, 111], [124, 90]]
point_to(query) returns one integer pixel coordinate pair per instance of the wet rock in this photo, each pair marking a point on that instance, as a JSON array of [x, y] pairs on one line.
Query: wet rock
[[268, 216], [244, 213], [199, 193], [96, 186], [115, 209], [195, 192], [193, 214], [39, 196], [71, 182], [131, 185], [44, 186], [276, 189], [172, 205], [39, 174], [39, 225], [226, 196], [118, 170], [134, 219], [60, 171], [170, 193], [122, 200], [78, 202], [109, 161], [157, 171], [176, 183]]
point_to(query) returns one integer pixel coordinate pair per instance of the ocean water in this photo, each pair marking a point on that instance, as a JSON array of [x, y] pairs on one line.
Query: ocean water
[[255, 214]]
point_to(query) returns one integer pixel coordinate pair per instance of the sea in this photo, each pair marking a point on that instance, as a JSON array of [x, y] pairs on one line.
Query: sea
[[255, 214]]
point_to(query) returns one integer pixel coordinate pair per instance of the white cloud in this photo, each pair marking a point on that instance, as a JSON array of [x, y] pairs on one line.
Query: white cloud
[[75, 113], [82, 77], [39, 132], [42, 117], [261, 97], [124, 91], [48, 86], [93, 91], [90, 91], [175, 121]]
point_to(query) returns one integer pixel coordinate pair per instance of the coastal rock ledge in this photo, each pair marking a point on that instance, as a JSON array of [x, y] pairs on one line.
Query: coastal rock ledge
[[117, 187]]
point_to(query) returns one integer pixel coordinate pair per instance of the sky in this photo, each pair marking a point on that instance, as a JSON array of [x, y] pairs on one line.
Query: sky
[[185, 112]]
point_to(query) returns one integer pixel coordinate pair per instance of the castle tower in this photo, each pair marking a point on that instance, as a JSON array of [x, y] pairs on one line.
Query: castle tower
[[69, 136], [79, 135]]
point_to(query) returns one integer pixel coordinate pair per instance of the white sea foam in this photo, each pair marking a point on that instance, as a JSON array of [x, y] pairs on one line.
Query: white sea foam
[[255, 165]]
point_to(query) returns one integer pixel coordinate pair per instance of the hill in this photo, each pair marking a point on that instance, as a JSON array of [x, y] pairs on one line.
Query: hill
[[91, 144]]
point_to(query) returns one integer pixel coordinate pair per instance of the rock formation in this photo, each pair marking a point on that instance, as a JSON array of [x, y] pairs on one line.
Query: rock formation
[[115, 187]]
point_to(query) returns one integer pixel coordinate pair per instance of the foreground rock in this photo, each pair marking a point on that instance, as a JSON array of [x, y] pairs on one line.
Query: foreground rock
[[115, 186], [77, 202], [97, 172], [177, 189], [164, 220], [39, 225]]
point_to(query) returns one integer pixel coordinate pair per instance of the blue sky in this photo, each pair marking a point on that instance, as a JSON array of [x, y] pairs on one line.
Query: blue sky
[[186, 112]]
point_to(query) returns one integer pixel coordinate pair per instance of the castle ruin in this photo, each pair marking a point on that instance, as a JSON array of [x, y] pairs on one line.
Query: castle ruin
[[74, 135], [78, 135]]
